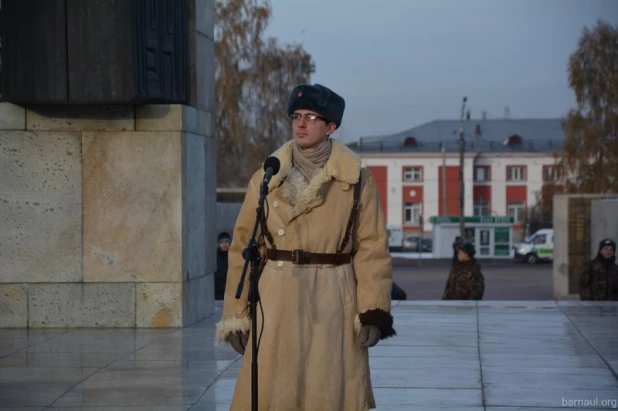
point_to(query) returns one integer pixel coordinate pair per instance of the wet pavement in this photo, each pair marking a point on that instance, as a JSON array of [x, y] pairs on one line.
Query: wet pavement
[[448, 355]]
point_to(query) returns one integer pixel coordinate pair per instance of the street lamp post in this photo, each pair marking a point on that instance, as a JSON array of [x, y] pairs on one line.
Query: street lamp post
[[461, 171]]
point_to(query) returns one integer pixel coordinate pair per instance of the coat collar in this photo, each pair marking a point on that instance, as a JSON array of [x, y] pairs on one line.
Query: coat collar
[[342, 165]]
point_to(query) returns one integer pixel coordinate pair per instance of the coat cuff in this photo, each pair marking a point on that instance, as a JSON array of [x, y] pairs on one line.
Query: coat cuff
[[379, 318], [232, 325]]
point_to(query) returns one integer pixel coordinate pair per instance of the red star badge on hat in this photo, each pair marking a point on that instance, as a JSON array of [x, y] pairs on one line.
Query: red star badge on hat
[[300, 93]]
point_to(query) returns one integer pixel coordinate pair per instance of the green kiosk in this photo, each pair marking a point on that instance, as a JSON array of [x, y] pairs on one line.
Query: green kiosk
[[491, 235]]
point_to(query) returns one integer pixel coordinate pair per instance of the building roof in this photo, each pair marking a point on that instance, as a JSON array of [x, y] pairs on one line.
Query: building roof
[[480, 136]]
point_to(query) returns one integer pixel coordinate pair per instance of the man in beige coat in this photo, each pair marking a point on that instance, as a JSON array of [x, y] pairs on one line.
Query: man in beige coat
[[325, 297]]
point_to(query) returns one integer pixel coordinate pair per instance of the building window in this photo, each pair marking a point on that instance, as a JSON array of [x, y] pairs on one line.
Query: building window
[[413, 174], [481, 208], [412, 213], [481, 174], [516, 174], [517, 210], [551, 173]]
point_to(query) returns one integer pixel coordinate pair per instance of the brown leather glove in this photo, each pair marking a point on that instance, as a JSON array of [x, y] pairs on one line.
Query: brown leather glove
[[238, 341], [369, 336]]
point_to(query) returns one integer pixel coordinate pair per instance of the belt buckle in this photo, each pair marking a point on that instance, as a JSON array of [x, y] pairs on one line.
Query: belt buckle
[[298, 257]]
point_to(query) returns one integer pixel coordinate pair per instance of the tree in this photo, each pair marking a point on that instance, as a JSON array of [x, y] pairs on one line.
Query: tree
[[541, 214], [590, 157], [253, 79]]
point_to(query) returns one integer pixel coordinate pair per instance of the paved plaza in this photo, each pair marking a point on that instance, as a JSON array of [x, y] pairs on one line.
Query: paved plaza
[[451, 355]]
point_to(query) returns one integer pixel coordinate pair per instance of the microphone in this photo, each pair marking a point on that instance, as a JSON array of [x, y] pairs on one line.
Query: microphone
[[271, 167]]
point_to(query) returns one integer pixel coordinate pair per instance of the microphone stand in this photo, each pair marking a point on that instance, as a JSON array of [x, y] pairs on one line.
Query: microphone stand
[[251, 254]]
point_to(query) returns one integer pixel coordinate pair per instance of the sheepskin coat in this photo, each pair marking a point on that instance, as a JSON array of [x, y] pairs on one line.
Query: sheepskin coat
[[309, 356]]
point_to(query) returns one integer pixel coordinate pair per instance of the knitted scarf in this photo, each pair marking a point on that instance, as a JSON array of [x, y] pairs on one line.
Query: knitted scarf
[[308, 162]]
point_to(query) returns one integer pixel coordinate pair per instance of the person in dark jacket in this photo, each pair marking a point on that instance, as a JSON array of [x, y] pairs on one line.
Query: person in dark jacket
[[456, 245], [599, 277], [224, 240], [465, 281]]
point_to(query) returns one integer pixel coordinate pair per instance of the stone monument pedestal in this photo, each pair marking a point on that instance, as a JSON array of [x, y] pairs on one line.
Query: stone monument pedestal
[[107, 213]]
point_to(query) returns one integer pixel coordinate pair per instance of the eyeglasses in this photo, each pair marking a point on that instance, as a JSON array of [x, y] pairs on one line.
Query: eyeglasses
[[309, 118]]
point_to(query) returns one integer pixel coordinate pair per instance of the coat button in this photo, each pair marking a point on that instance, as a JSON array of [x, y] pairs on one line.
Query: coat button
[[275, 203], [279, 263], [281, 231]]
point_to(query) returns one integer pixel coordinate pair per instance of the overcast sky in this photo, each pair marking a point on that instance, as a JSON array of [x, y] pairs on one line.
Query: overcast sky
[[402, 63]]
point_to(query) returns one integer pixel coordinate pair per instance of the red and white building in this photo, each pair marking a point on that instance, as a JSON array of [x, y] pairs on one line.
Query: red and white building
[[506, 162]]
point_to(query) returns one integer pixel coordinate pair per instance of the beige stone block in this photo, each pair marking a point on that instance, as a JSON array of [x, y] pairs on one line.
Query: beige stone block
[[13, 306], [161, 117], [40, 207], [12, 117], [158, 305], [81, 118], [81, 305], [132, 207]]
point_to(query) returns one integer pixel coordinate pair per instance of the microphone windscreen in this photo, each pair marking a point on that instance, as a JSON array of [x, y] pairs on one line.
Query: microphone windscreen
[[274, 163]]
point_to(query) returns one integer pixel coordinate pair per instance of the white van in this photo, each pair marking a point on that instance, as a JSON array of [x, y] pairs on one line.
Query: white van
[[539, 246], [395, 238]]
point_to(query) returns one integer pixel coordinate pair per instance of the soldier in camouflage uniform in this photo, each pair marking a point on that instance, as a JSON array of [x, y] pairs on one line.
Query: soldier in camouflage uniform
[[465, 281], [599, 278]]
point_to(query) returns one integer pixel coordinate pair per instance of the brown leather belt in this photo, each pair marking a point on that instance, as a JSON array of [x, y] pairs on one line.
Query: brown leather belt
[[300, 257]]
